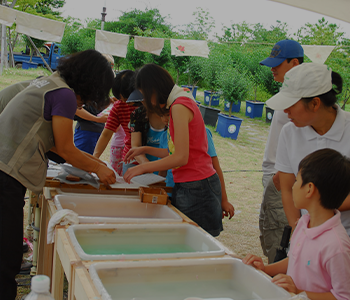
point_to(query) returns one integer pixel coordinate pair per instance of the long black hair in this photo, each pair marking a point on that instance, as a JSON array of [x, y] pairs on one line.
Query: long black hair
[[153, 80]]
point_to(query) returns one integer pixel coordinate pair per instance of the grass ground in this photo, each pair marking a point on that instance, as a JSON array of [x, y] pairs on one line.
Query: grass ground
[[240, 161]]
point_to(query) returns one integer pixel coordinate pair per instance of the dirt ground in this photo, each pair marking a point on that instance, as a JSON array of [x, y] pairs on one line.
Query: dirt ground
[[240, 161]]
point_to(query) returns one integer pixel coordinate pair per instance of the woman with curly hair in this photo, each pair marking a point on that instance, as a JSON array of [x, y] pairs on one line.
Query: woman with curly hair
[[37, 119]]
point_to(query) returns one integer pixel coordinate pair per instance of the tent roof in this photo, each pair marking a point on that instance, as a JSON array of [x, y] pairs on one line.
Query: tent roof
[[338, 9]]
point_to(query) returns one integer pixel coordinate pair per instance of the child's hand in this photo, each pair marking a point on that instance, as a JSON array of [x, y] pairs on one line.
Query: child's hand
[[255, 261], [132, 172], [132, 153], [286, 282], [227, 209]]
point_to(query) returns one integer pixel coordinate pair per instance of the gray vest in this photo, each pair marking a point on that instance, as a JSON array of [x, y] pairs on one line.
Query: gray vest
[[11, 91], [25, 136]]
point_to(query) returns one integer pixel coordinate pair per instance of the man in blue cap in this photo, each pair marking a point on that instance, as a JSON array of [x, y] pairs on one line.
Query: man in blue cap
[[285, 55]]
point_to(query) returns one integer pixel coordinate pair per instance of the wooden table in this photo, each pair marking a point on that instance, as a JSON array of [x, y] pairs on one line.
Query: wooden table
[[61, 259]]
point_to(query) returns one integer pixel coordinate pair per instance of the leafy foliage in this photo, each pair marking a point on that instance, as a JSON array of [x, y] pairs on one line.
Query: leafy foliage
[[321, 33], [233, 85], [38, 43], [78, 38], [239, 51], [47, 8], [134, 21], [201, 27]]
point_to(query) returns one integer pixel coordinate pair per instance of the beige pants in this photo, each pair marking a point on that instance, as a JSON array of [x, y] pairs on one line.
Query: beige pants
[[272, 219]]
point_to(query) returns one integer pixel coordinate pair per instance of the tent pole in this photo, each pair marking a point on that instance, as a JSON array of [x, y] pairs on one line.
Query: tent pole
[[42, 58], [3, 43]]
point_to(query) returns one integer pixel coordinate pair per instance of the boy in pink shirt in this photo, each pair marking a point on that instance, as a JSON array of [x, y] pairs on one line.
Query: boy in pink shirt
[[318, 261]]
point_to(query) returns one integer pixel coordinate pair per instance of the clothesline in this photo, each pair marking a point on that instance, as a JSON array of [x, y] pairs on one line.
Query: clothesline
[[105, 42], [116, 43]]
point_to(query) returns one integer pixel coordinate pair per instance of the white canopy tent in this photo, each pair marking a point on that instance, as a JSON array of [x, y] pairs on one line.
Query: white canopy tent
[[338, 9]]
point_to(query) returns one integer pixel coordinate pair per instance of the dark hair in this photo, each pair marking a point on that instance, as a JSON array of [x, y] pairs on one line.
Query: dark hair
[[329, 98], [123, 84], [152, 80], [89, 74], [300, 60], [329, 171]]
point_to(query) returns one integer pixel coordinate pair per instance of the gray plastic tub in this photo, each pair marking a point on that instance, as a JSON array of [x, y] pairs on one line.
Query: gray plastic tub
[[115, 209], [215, 279], [142, 241]]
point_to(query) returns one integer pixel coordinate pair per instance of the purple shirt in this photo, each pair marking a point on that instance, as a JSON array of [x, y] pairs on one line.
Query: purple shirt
[[61, 102]]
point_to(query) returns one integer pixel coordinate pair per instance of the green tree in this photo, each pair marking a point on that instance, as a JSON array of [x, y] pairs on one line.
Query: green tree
[[234, 85], [212, 67], [201, 27], [77, 37], [38, 44], [245, 32], [273, 35], [47, 8], [321, 33], [195, 69], [136, 21], [238, 32]]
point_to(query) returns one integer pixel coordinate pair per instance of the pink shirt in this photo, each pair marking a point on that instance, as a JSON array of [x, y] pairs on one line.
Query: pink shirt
[[118, 138], [319, 257], [120, 115], [199, 164]]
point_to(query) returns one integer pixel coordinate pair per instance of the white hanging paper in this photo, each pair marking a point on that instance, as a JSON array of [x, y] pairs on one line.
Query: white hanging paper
[[39, 28], [7, 15], [151, 45], [317, 54], [189, 48], [113, 43]]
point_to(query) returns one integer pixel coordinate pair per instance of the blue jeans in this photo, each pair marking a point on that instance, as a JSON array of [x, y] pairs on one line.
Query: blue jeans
[[86, 140], [12, 194], [201, 202]]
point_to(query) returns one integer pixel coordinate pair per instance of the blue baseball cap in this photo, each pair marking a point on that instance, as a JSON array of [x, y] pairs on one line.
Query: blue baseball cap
[[135, 96], [281, 51]]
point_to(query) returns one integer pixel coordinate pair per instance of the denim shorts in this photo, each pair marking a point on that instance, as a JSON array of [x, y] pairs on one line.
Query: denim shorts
[[201, 202]]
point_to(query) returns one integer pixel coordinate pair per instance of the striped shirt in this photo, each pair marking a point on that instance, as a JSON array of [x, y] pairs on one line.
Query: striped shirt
[[120, 115]]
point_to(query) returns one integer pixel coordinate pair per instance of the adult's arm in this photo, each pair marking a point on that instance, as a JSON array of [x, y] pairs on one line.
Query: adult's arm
[[64, 146], [84, 114], [102, 142], [293, 214], [136, 141], [181, 117], [227, 208]]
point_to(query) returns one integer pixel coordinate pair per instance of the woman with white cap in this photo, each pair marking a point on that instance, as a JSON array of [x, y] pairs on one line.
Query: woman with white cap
[[308, 96]]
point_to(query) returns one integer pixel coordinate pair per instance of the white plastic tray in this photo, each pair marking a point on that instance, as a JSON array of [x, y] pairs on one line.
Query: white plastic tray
[[115, 209], [142, 241], [215, 279]]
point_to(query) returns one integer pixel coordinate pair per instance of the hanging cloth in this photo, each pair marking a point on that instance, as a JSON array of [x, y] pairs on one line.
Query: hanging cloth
[[317, 54], [189, 48], [151, 45], [112, 43], [39, 28]]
